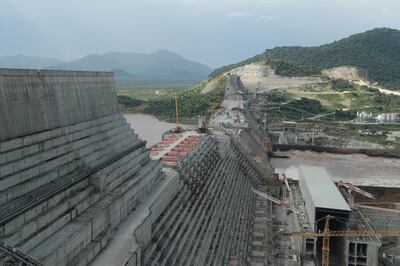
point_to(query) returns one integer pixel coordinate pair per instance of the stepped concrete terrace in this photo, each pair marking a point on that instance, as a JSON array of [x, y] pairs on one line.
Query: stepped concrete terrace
[[209, 220], [71, 168]]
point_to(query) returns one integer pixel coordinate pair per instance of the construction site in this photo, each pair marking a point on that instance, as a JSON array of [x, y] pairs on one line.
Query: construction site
[[79, 187]]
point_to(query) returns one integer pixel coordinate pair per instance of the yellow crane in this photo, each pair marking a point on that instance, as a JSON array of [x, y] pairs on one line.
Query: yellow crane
[[177, 111], [327, 234]]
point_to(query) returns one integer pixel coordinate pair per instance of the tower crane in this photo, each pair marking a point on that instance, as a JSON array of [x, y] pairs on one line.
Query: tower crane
[[327, 234]]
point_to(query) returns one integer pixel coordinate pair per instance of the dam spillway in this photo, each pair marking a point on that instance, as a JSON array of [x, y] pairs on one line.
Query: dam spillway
[[73, 172]]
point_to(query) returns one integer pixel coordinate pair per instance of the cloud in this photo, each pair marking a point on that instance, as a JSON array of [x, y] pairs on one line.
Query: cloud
[[268, 17], [238, 14], [385, 10]]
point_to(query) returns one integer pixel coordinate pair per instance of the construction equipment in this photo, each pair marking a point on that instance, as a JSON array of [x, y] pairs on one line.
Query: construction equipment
[[177, 111], [275, 200], [284, 179], [352, 188], [327, 234], [202, 124]]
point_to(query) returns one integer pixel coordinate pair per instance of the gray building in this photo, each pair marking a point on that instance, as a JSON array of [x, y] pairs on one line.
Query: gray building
[[321, 196]]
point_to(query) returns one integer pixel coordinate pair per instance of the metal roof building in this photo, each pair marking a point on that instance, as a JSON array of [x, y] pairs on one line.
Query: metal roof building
[[320, 194]]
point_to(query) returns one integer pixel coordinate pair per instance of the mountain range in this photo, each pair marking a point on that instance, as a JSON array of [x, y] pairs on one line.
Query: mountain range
[[129, 68]]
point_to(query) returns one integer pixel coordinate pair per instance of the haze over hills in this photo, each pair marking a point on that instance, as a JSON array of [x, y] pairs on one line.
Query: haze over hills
[[375, 53], [160, 66], [24, 61], [130, 68]]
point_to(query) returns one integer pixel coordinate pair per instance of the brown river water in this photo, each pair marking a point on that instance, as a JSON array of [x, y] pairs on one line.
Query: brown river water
[[149, 128]]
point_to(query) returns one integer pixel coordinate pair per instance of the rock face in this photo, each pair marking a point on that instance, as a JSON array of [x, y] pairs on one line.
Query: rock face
[[343, 72], [71, 168]]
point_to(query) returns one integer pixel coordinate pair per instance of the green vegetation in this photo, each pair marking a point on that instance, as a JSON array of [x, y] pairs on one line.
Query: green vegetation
[[352, 131], [342, 85], [191, 100], [128, 103], [224, 69], [308, 105], [362, 99], [146, 93], [373, 101], [310, 108], [374, 53], [289, 69], [292, 69]]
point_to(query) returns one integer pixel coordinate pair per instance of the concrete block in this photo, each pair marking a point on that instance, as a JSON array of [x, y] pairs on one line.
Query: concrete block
[[57, 99], [3, 158], [13, 155], [13, 225], [6, 170], [47, 232], [28, 230]]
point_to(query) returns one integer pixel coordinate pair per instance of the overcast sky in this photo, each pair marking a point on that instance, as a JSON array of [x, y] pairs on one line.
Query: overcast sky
[[214, 32]]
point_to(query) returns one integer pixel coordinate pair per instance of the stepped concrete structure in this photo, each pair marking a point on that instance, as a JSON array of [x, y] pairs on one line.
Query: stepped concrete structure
[[71, 167], [78, 186]]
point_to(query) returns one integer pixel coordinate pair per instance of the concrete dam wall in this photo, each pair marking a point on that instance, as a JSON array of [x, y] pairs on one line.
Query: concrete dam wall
[[32, 101], [73, 175], [71, 168]]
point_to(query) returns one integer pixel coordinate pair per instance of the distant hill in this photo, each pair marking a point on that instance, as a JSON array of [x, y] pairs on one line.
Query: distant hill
[[375, 53], [161, 66], [24, 61]]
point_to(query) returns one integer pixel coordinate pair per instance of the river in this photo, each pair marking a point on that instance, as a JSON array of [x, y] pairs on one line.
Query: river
[[149, 128]]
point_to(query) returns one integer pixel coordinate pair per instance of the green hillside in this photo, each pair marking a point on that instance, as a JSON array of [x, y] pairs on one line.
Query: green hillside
[[191, 100], [376, 53]]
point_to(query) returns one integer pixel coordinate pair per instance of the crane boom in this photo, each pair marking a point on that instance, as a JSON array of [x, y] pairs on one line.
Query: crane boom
[[353, 188], [275, 200]]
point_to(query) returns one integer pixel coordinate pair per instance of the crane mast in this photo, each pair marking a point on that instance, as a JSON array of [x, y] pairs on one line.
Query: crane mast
[[327, 234], [177, 111]]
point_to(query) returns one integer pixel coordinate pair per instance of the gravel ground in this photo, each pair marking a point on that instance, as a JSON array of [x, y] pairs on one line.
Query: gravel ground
[[358, 169], [263, 77]]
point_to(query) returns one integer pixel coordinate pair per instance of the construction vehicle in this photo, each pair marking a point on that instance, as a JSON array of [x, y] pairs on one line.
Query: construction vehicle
[[277, 201], [327, 234]]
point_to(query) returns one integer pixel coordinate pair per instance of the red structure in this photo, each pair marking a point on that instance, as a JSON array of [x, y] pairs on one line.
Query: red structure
[[174, 147]]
